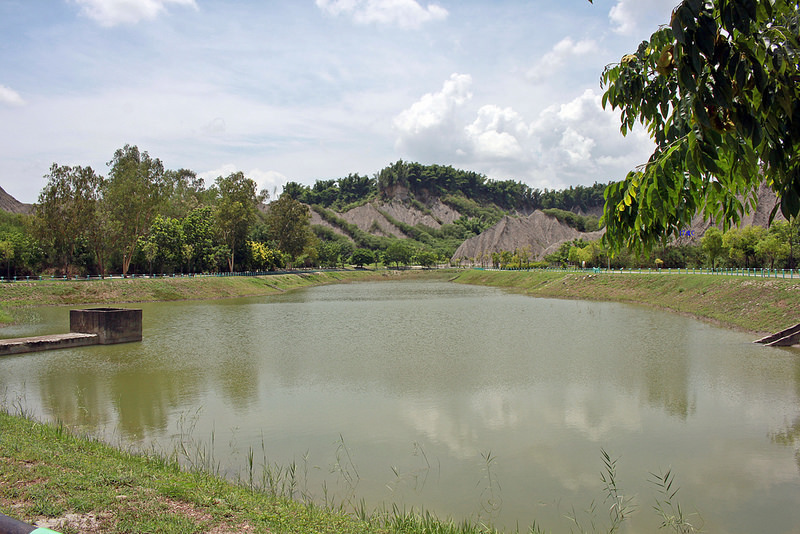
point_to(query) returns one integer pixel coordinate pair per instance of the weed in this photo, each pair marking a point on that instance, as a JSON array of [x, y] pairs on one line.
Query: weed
[[667, 507]]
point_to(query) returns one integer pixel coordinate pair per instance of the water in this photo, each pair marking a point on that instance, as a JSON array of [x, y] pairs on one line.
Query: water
[[470, 401]]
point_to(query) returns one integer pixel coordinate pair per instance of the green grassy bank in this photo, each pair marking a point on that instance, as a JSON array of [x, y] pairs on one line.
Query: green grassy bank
[[18, 295], [80, 485], [746, 303]]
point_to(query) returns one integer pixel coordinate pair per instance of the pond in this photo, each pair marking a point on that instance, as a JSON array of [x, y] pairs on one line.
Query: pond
[[470, 402]]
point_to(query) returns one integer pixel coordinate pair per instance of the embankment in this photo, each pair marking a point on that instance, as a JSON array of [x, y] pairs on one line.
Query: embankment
[[19, 295], [753, 304]]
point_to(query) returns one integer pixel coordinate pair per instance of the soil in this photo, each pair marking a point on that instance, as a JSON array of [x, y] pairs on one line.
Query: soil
[[540, 233]]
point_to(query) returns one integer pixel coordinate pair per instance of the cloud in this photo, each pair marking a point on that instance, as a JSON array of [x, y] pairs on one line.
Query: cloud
[[110, 13], [575, 142], [10, 96], [408, 14], [579, 142], [432, 124], [497, 133], [564, 51], [628, 15], [271, 181]]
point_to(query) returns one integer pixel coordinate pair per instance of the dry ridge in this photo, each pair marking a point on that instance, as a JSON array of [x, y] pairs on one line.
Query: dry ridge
[[12, 205]]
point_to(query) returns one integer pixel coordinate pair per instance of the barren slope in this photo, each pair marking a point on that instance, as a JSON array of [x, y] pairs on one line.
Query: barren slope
[[540, 232], [12, 205]]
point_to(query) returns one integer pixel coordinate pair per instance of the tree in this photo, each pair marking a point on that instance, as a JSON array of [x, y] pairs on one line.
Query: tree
[[719, 92], [741, 242], [235, 211], [66, 209], [183, 192], [712, 245], [7, 254], [361, 257], [198, 234], [775, 245], [264, 258], [398, 252], [134, 192], [426, 258], [329, 252], [289, 224], [164, 243], [772, 248]]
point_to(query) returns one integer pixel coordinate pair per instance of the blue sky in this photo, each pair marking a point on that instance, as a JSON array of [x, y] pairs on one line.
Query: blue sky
[[315, 89]]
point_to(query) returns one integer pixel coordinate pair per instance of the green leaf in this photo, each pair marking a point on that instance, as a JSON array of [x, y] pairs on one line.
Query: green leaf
[[677, 28], [705, 35], [790, 204]]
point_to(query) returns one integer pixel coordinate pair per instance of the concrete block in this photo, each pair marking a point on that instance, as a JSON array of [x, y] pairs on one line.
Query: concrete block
[[112, 325]]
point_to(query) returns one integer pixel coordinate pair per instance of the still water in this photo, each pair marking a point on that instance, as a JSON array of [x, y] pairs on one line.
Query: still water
[[475, 403]]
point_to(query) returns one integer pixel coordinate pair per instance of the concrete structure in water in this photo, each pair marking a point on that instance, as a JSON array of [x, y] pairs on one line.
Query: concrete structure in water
[[784, 338], [112, 325], [94, 326]]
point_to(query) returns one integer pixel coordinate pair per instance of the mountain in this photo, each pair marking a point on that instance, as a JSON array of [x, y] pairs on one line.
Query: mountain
[[540, 233], [12, 205]]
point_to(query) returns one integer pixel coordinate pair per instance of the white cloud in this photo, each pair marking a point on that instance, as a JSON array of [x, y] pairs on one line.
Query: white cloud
[[403, 13], [10, 96], [498, 133], [113, 12], [580, 142], [433, 123], [271, 181], [561, 53], [628, 15], [575, 142]]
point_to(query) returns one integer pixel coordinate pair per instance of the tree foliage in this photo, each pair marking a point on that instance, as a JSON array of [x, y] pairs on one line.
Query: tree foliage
[[133, 193], [67, 209], [235, 210], [289, 225], [718, 90]]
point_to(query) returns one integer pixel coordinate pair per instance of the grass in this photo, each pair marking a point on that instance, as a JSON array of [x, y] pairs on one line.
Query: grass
[[52, 477], [744, 303], [77, 484], [18, 296]]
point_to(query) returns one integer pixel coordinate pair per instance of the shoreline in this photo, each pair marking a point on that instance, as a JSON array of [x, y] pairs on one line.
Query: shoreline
[[754, 305], [750, 304]]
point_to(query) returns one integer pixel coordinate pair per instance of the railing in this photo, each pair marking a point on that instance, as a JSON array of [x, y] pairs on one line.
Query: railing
[[158, 276], [760, 273]]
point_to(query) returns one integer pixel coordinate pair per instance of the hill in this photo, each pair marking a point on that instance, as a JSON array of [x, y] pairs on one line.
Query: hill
[[539, 233], [12, 205], [438, 207]]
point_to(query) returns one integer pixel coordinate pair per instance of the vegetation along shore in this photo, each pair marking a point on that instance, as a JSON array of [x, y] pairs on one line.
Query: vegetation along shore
[[747, 303]]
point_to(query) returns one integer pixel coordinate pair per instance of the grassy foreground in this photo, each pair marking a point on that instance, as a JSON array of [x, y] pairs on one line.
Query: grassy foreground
[[80, 485], [744, 303]]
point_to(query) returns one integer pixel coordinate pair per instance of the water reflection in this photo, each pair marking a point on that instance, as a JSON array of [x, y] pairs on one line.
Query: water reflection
[[427, 377]]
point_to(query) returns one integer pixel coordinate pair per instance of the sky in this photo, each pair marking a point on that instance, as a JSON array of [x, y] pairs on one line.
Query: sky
[[305, 90]]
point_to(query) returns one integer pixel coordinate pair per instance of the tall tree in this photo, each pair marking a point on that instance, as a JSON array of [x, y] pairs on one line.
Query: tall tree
[[289, 224], [712, 245], [134, 193], [184, 191], [198, 235], [235, 211], [66, 209], [719, 92]]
